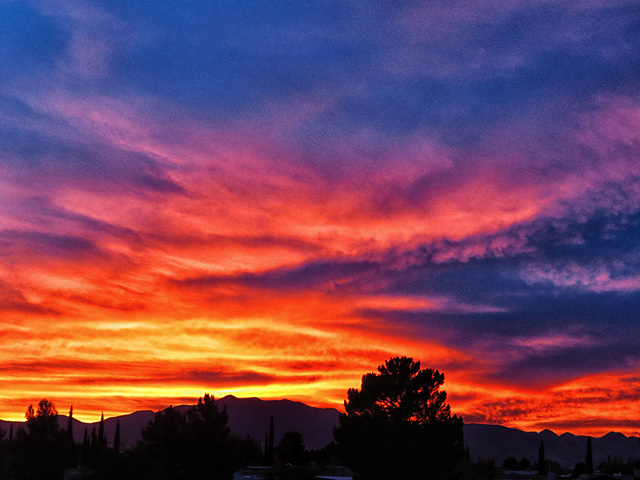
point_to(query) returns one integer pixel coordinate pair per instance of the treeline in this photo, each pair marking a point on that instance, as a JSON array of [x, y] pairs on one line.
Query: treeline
[[175, 445], [397, 425], [613, 466]]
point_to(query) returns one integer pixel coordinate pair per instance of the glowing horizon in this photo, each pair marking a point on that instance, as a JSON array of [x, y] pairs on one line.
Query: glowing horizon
[[272, 200]]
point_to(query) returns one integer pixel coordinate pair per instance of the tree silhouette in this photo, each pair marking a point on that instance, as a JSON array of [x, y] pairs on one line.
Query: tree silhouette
[[541, 461], [398, 425], [40, 451], [291, 449], [510, 463], [44, 420], [195, 445], [116, 438], [94, 450], [588, 460], [162, 437], [268, 448], [4, 445], [71, 445], [102, 438]]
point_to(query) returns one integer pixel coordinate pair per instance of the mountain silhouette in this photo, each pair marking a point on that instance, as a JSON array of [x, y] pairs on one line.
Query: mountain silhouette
[[251, 416], [498, 442], [247, 416]]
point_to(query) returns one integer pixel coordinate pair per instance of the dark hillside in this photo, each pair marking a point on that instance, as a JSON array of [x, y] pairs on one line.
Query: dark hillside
[[251, 416]]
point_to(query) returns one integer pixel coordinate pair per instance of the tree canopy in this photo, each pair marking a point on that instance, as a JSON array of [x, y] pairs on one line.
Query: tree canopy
[[291, 449], [40, 452], [43, 421], [197, 444], [398, 425]]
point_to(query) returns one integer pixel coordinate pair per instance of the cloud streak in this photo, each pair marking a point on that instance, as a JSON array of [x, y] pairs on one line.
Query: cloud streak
[[188, 203]]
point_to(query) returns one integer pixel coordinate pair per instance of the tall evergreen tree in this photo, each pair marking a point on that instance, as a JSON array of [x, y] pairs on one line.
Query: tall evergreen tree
[[270, 454], [70, 425], [291, 449], [102, 438], [71, 445], [588, 459], [541, 461], [116, 438]]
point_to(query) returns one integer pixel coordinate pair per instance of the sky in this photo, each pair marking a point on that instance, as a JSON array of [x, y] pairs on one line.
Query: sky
[[272, 198]]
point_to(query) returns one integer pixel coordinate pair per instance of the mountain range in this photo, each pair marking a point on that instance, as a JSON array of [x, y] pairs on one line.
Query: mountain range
[[251, 416]]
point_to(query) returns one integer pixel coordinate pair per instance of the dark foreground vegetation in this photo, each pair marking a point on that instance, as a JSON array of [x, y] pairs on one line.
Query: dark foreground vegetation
[[175, 446], [398, 425]]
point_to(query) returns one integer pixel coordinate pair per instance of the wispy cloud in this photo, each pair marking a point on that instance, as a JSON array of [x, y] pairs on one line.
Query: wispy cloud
[[272, 199]]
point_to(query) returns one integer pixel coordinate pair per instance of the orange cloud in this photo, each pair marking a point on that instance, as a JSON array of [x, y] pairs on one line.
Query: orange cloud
[[203, 258]]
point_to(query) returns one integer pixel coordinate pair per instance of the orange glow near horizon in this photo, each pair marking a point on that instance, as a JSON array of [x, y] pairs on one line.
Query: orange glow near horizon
[[248, 272]]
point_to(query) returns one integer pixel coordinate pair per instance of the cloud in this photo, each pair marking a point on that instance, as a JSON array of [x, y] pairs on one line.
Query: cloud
[[284, 196], [13, 300], [575, 408], [503, 39]]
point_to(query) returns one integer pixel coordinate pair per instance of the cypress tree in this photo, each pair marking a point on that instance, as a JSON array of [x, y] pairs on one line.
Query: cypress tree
[[271, 442], [70, 425], [541, 461], [116, 438], [588, 460], [102, 438], [71, 445]]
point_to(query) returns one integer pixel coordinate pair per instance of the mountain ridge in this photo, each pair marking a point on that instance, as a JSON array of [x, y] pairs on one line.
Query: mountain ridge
[[251, 417]]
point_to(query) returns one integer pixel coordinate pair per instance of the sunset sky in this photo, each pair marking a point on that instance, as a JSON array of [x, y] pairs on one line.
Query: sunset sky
[[270, 198]]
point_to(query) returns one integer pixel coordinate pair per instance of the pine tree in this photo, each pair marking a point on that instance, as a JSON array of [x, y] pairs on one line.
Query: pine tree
[[399, 425], [588, 460], [197, 444]]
